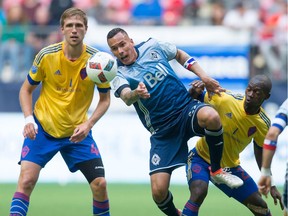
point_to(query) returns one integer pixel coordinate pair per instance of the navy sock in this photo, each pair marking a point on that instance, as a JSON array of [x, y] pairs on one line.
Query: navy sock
[[19, 204], [214, 140], [101, 208], [167, 206]]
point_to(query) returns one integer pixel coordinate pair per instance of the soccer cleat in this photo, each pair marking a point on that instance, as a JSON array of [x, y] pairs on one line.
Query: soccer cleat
[[222, 177]]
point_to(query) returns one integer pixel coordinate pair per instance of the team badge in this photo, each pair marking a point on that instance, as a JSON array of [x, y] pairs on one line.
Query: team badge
[[83, 73], [251, 131], [25, 151], [154, 55], [155, 159]]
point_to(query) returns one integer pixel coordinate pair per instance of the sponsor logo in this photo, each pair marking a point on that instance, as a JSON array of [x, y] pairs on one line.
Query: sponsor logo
[[158, 76]]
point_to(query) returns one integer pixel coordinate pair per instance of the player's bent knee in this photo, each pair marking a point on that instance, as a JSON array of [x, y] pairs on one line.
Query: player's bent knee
[[208, 116]]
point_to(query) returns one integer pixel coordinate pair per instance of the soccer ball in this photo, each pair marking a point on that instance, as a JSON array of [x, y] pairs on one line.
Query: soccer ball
[[101, 67]]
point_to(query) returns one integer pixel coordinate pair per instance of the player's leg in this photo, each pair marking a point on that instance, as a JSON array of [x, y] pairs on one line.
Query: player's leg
[[247, 194], [160, 182], [85, 156], [207, 118], [197, 171], [35, 155], [98, 185], [257, 205], [27, 180]]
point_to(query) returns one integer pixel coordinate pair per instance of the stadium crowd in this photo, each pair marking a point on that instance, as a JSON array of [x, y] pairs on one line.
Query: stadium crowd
[[28, 25]]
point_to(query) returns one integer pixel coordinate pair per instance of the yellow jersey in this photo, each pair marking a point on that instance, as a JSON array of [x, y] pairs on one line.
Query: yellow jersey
[[239, 128], [66, 92]]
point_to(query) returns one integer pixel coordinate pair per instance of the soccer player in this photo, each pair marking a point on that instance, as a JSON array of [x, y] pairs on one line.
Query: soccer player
[[270, 144], [59, 121], [243, 121], [146, 80]]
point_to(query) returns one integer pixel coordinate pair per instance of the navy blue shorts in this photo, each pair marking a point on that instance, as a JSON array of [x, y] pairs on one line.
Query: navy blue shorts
[[44, 147], [169, 147], [198, 169]]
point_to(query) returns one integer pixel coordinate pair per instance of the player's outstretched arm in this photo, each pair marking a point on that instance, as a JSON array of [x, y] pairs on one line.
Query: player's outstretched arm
[[131, 96], [82, 130], [212, 85], [196, 89]]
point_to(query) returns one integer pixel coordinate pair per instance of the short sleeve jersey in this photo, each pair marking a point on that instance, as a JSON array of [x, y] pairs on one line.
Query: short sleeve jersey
[[239, 128], [66, 92], [168, 95]]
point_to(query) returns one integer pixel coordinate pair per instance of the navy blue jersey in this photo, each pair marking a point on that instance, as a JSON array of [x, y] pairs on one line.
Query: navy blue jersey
[[168, 95]]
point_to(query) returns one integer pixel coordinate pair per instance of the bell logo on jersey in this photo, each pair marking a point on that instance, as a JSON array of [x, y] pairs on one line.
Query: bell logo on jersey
[[153, 79]]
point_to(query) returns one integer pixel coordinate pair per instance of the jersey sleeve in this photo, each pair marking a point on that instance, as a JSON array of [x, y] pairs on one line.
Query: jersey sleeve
[[36, 73], [170, 50], [119, 83]]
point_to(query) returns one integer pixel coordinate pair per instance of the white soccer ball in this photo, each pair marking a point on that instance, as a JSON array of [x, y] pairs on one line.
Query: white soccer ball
[[101, 67]]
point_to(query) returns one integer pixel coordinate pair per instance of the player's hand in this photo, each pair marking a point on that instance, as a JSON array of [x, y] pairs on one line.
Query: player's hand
[[277, 196], [142, 91], [80, 132], [213, 87], [196, 89], [30, 130], [264, 185]]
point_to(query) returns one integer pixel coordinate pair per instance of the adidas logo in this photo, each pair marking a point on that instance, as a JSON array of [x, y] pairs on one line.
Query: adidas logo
[[229, 115], [57, 72]]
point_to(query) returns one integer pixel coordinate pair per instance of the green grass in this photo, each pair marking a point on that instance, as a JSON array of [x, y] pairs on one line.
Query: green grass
[[125, 200]]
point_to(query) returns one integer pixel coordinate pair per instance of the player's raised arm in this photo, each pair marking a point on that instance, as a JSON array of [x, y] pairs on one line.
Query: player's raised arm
[[192, 65]]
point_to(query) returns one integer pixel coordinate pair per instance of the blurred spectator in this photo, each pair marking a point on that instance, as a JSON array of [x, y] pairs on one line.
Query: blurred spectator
[[12, 49], [57, 7], [172, 12], [217, 13], [118, 12], [98, 12], [30, 7], [83, 4], [190, 14], [273, 38], [241, 17], [41, 32], [147, 12]]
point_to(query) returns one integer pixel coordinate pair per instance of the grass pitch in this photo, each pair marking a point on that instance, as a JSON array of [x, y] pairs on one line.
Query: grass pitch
[[125, 200]]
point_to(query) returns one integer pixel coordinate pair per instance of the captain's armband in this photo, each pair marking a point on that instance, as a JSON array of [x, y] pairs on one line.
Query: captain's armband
[[188, 64]]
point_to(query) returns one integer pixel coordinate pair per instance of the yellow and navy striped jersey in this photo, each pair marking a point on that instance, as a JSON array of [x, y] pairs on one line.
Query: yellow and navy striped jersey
[[239, 128], [66, 92]]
